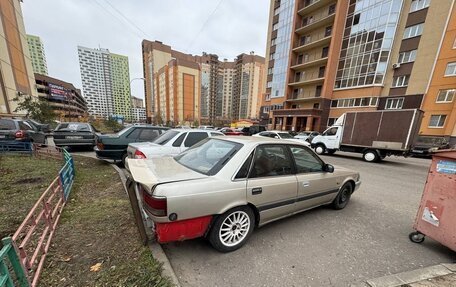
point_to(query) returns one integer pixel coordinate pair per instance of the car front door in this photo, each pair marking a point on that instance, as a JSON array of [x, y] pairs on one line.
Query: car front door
[[271, 184], [331, 137], [315, 185]]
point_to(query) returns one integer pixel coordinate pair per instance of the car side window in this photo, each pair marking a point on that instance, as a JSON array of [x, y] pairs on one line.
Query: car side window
[[134, 134], [264, 134], [271, 160], [244, 171], [193, 138], [306, 161], [179, 140], [148, 134], [331, 132]]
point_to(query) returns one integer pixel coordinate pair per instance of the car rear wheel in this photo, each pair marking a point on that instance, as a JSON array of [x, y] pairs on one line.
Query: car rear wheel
[[320, 149], [370, 156], [232, 229], [343, 197]]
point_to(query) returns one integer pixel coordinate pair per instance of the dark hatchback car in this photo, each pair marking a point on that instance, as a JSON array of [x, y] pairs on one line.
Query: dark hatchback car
[[114, 147], [16, 131], [74, 134], [248, 131]]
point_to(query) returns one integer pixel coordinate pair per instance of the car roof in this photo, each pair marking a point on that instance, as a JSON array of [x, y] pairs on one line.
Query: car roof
[[196, 130], [147, 126], [276, 131], [253, 141]]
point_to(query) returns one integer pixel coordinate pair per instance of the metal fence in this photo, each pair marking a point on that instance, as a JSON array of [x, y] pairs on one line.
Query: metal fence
[[17, 147], [28, 247]]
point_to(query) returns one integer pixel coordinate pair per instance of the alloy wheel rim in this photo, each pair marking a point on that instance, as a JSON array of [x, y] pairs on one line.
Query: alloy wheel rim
[[234, 228], [370, 156]]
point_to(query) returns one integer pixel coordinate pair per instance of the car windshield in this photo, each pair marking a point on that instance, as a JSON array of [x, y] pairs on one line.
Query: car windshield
[[80, 127], [166, 137], [7, 125], [208, 156], [285, 135]]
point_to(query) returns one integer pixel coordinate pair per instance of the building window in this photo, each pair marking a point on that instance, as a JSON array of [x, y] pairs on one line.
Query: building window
[[413, 31], [401, 81], [324, 52], [328, 31], [269, 84], [394, 104], [446, 96], [273, 41], [332, 9], [318, 91], [407, 56], [275, 27], [271, 56], [451, 69], [419, 4], [437, 121]]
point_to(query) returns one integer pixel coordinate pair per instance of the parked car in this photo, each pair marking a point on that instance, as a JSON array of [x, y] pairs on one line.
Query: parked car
[[427, 145], [306, 136], [18, 130], [248, 131], [279, 135], [73, 134], [114, 147], [224, 187], [231, 132], [171, 143]]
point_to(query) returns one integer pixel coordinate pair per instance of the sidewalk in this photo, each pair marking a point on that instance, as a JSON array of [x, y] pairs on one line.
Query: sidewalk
[[442, 275]]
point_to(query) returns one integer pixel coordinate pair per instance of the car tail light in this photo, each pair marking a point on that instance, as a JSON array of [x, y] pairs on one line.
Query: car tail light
[[19, 134], [139, 155], [155, 205], [100, 145]]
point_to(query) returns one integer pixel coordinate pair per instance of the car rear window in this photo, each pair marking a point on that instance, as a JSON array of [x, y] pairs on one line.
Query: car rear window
[[166, 137], [7, 124], [73, 127], [208, 156]]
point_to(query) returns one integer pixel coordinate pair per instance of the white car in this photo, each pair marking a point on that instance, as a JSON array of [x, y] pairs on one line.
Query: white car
[[280, 135], [171, 143]]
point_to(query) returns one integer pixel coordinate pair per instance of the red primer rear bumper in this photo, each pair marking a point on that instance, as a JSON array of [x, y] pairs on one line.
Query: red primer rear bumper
[[182, 230]]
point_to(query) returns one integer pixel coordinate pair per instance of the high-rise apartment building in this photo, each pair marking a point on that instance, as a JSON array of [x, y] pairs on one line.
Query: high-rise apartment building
[[247, 86], [439, 103], [105, 82], [36, 49], [16, 73], [216, 82], [327, 57], [137, 102]]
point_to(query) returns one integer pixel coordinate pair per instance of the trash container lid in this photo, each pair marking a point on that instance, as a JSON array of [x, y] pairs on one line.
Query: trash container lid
[[448, 153]]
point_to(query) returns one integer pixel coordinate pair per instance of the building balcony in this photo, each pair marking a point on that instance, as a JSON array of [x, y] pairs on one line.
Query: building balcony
[[308, 64], [307, 46], [325, 21], [296, 112], [306, 82], [312, 5]]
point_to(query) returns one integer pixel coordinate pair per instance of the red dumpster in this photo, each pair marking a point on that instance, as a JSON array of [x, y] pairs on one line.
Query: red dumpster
[[436, 217]]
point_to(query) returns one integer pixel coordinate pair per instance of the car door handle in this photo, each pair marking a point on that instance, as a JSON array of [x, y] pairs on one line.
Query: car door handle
[[257, 190], [306, 184]]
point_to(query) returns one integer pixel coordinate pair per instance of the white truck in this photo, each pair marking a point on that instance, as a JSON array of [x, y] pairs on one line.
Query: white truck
[[375, 134]]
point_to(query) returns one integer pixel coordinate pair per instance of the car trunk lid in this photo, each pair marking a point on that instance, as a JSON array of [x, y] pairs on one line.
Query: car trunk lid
[[160, 170]]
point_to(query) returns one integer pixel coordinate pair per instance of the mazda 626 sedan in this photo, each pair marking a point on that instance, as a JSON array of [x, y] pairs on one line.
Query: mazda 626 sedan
[[224, 187]]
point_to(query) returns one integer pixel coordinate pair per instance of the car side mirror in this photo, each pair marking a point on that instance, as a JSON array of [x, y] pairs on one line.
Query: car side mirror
[[329, 168]]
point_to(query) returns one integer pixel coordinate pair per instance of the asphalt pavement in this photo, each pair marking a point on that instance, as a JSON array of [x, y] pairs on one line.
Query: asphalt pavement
[[324, 247]]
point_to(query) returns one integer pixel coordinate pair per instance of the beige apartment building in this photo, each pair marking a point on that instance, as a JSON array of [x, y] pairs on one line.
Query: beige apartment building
[[328, 57], [16, 73], [225, 90]]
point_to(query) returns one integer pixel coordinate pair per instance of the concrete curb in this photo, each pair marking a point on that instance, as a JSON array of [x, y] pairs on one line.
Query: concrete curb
[[156, 249], [412, 276]]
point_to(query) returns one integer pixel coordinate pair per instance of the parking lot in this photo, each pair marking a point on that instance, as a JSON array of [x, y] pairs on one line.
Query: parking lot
[[324, 247]]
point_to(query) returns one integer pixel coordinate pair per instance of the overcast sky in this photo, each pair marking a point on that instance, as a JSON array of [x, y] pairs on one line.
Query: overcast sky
[[224, 27]]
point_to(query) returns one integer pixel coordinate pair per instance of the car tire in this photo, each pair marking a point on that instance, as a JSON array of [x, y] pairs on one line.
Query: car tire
[[343, 197], [320, 149], [370, 156], [232, 229]]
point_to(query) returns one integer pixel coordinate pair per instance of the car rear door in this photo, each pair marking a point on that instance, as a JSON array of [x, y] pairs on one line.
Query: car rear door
[[315, 186], [272, 185]]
